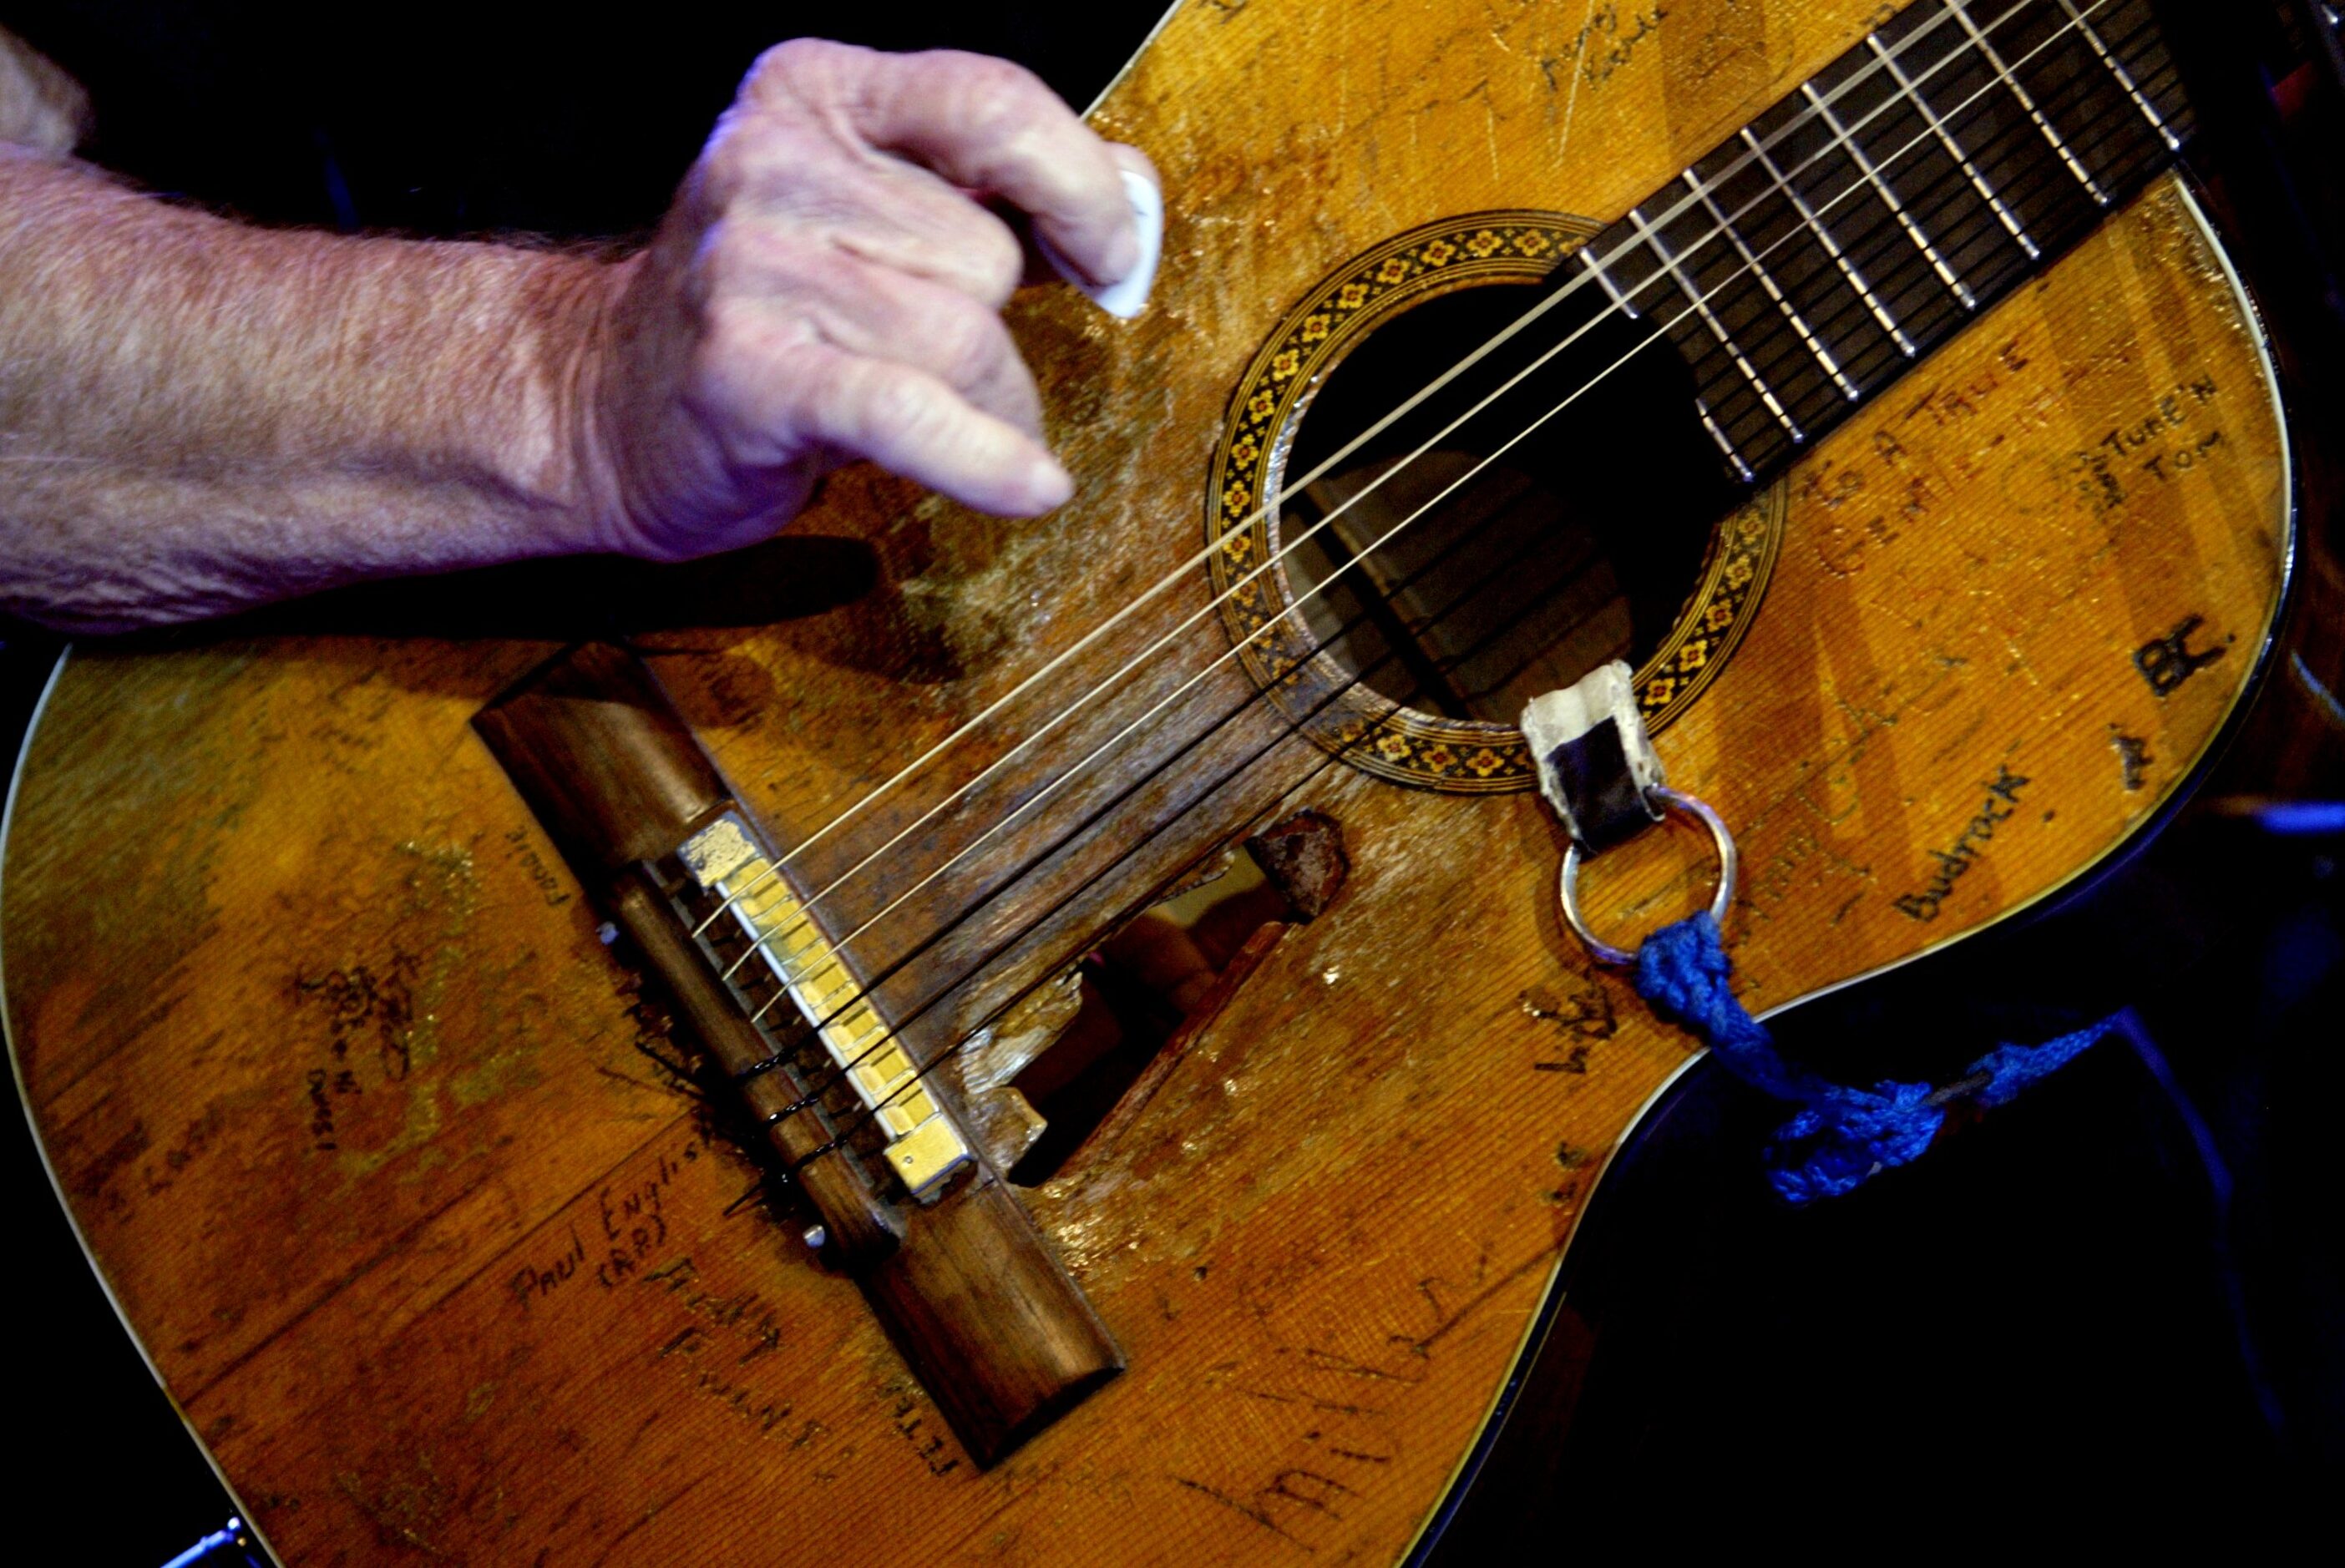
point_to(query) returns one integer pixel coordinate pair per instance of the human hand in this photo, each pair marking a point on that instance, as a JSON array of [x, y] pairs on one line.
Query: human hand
[[828, 287]]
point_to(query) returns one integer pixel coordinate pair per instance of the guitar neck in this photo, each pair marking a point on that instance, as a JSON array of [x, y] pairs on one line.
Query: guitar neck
[[1804, 263]]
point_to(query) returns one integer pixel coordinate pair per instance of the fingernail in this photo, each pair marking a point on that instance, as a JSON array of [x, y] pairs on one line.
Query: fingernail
[[1049, 486]]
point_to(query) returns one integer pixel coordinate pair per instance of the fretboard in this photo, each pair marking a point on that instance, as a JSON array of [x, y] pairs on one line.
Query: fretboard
[[1807, 260]]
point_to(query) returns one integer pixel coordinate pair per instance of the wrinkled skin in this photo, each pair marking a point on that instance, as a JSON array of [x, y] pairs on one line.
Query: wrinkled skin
[[827, 286]]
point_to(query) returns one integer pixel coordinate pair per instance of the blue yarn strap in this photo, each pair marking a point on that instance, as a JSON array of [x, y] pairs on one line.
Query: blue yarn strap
[[1841, 1136]]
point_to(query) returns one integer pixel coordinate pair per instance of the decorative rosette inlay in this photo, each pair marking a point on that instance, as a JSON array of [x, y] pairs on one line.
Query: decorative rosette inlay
[[1257, 605]]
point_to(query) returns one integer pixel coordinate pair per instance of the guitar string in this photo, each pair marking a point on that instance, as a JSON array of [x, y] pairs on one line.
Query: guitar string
[[879, 1034], [1229, 654], [1792, 347], [821, 1083], [1343, 628], [1573, 286], [1802, 119], [1047, 972], [879, 1037], [1288, 727], [804, 915]]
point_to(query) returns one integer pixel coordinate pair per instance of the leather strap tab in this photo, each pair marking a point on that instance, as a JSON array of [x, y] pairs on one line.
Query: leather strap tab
[[1596, 766]]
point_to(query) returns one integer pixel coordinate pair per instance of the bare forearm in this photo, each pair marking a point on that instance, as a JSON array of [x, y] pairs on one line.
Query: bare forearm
[[196, 415]]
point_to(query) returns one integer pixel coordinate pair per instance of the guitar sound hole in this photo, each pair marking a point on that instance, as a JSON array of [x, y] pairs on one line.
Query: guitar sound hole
[[1463, 587]]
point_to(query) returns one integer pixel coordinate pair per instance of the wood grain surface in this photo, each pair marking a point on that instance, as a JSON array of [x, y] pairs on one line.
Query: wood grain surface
[[361, 1120]]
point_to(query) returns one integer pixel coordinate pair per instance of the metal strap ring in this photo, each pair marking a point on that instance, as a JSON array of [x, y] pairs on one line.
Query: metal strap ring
[[1568, 886]]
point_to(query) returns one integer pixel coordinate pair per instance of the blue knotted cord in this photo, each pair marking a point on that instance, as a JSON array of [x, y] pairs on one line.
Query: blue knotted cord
[[1842, 1135]]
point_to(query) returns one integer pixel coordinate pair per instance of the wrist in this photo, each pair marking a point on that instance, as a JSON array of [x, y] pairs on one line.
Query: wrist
[[556, 459]]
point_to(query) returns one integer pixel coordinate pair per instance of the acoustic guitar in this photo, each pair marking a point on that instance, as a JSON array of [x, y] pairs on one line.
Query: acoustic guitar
[[949, 1039]]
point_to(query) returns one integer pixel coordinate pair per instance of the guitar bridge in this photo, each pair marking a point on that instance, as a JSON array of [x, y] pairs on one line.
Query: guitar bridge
[[925, 1149], [964, 1283]]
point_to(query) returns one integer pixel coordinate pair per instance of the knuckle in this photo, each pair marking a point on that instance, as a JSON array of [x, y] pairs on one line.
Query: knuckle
[[732, 163], [749, 152], [1001, 100], [993, 259], [970, 340], [896, 401], [796, 69]]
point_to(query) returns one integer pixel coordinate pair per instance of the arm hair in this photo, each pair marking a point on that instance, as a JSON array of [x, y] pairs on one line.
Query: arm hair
[[197, 415]]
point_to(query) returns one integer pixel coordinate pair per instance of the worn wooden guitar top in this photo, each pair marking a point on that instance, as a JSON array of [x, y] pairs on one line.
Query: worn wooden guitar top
[[361, 1123]]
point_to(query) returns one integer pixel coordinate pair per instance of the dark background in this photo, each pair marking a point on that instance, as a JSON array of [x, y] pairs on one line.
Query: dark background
[[2113, 1306]]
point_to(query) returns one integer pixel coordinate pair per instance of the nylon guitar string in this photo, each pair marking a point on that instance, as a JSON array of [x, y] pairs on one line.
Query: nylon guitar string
[[2002, 76], [1180, 573]]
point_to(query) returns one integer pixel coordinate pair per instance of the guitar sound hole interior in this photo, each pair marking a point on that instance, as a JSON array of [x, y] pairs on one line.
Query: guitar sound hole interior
[[1463, 588]]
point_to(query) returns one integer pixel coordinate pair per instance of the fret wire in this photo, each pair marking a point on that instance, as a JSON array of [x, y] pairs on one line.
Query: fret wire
[[1710, 424], [1877, 226], [1960, 289], [2019, 91], [1656, 336], [1926, 205], [1930, 205], [1766, 281], [1701, 302], [828, 828], [2043, 187], [2009, 220], [2044, 179], [2125, 78], [2041, 176], [1604, 281], [1875, 291], [1743, 364], [1938, 216], [1947, 207], [1848, 268]]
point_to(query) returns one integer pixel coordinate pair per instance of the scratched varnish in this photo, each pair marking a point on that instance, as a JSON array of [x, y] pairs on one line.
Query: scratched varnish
[[364, 1128]]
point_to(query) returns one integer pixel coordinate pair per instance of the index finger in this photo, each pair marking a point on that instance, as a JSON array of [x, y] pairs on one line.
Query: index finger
[[984, 124]]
